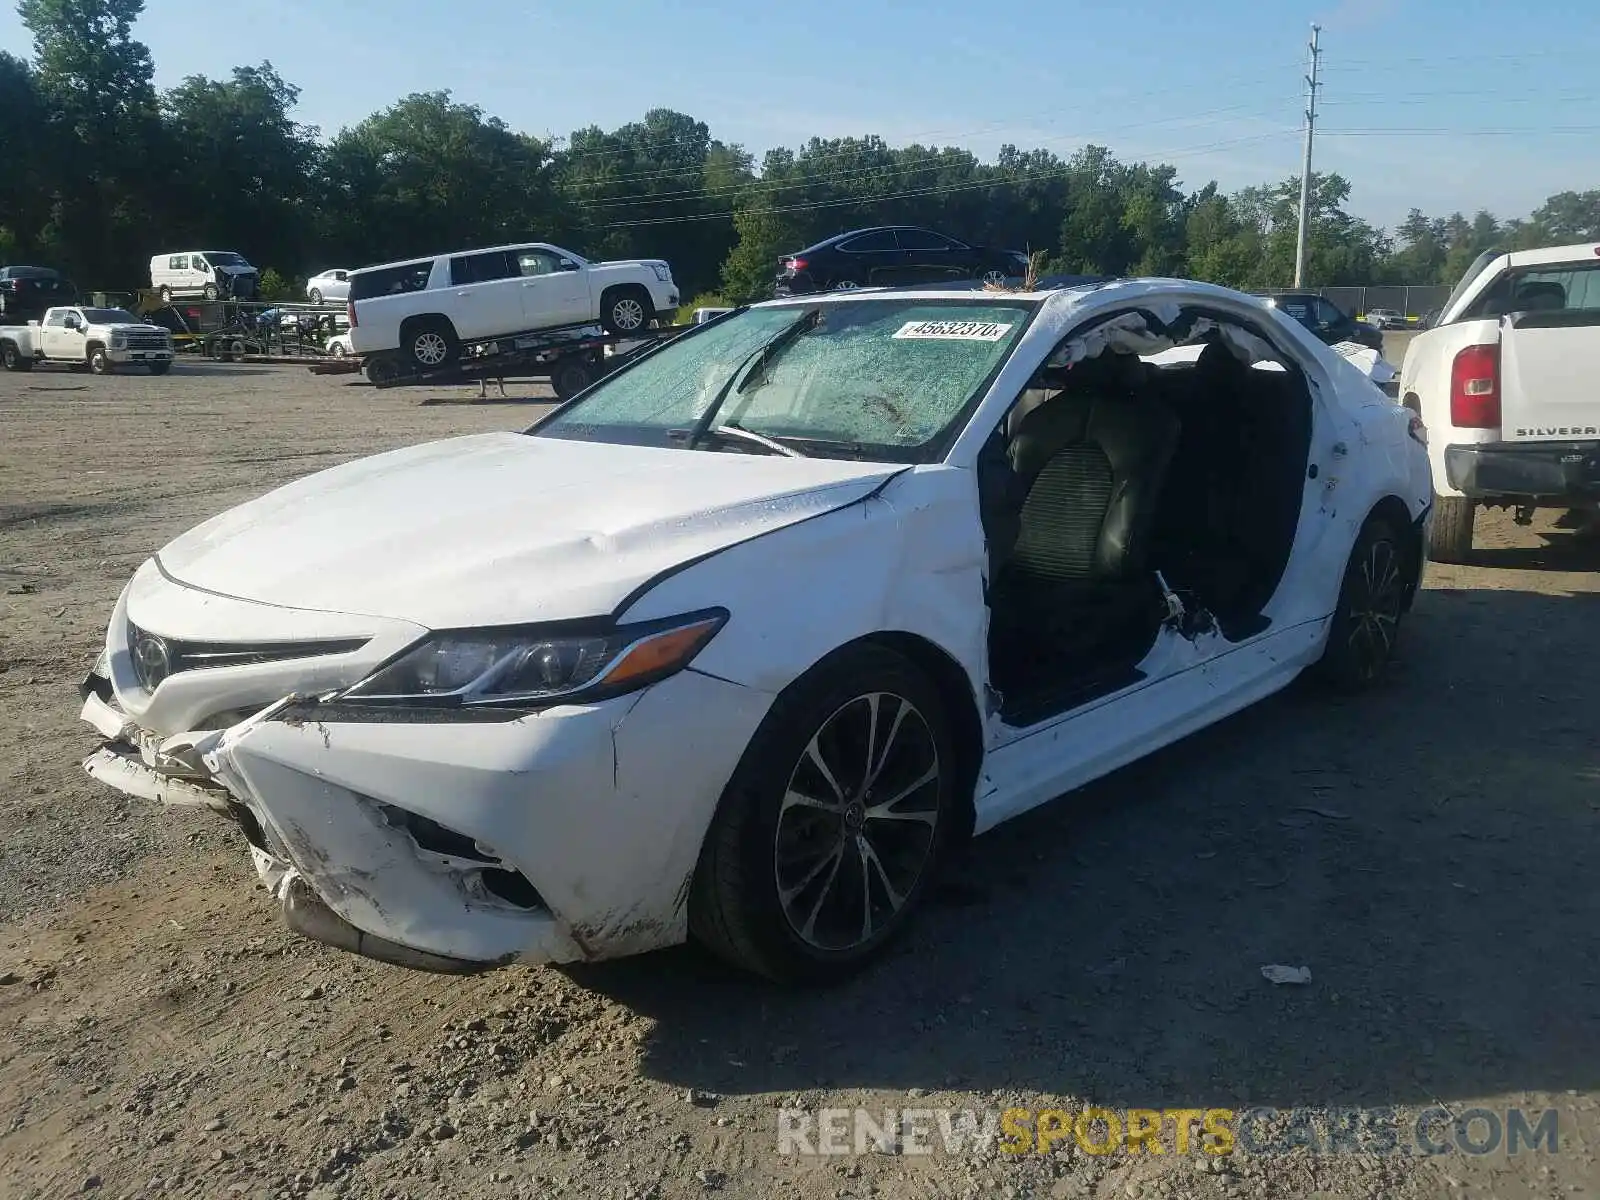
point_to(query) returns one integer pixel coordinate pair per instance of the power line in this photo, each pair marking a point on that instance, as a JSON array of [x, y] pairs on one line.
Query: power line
[[944, 189], [853, 174], [1188, 89], [1459, 131]]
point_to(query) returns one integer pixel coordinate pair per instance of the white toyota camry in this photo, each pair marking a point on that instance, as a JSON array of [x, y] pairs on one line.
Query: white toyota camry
[[738, 643]]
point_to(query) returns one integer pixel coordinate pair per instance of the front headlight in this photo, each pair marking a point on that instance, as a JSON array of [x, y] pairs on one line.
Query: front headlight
[[118, 340], [526, 666], [663, 272]]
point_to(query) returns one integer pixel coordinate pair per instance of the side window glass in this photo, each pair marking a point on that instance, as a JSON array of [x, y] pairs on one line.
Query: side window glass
[[535, 262], [870, 243], [480, 268], [178, 262], [921, 239]]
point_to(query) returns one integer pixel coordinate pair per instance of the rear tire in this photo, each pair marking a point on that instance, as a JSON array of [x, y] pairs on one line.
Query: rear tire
[[804, 880], [315, 297], [13, 359], [100, 362], [166, 295], [570, 378], [1372, 599], [1450, 537], [382, 368], [430, 343], [626, 310]]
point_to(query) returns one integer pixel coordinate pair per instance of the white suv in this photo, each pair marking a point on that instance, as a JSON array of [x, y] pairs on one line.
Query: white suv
[[426, 309], [1504, 383]]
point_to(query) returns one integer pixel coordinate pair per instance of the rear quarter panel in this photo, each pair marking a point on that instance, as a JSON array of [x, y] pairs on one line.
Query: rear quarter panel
[[23, 337], [1425, 388], [378, 318]]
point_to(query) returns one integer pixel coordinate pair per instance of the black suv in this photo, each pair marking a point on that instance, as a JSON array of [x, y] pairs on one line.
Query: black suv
[[891, 256], [1326, 320], [25, 292]]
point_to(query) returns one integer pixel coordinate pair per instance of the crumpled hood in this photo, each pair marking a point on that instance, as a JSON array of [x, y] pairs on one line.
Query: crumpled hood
[[237, 269], [501, 528]]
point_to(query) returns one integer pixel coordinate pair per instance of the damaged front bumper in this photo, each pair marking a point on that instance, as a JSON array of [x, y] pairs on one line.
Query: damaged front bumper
[[562, 835]]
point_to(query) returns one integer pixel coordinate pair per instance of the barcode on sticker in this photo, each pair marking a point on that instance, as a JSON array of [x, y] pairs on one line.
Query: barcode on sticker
[[954, 331]]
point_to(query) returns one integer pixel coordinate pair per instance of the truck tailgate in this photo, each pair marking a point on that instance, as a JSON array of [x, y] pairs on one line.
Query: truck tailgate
[[1550, 375]]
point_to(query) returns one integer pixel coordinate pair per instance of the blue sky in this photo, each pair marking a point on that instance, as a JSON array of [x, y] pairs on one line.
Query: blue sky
[[1433, 96]]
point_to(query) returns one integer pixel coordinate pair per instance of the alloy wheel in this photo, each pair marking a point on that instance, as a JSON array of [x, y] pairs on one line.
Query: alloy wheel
[[429, 348], [627, 313], [857, 824], [994, 278], [1376, 604]]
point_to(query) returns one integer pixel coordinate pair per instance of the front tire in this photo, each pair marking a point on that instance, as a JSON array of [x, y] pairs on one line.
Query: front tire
[[100, 362], [166, 295], [1372, 601], [211, 292], [160, 368], [1450, 536], [315, 297], [627, 310], [832, 827]]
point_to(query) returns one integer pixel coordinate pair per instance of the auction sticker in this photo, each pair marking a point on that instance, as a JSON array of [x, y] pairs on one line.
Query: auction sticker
[[954, 331]]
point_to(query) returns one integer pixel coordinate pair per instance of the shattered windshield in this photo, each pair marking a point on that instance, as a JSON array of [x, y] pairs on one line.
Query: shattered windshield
[[887, 376]]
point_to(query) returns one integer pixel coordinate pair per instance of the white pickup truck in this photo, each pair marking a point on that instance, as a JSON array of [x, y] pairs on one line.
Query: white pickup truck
[[102, 339], [426, 310], [1507, 383]]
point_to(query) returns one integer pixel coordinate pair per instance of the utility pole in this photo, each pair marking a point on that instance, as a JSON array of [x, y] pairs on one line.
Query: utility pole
[[1305, 167]]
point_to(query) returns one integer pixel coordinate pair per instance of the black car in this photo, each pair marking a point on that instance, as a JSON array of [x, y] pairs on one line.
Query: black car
[[1326, 320], [25, 292], [890, 256]]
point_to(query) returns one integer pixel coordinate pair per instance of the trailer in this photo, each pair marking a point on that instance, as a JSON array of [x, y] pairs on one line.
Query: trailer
[[570, 359]]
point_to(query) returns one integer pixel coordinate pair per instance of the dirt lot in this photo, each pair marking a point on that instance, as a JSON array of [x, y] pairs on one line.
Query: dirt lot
[[1427, 851]]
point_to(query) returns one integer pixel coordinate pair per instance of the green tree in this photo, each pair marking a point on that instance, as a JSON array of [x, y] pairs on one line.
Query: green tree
[[428, 175], [104, 152], [245, 164], [25, 200]]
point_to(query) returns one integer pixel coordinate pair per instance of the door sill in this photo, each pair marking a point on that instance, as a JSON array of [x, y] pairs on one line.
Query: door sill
[[1040, 704]]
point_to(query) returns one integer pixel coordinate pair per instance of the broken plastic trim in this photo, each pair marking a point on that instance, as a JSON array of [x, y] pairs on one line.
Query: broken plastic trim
[[308, 916]]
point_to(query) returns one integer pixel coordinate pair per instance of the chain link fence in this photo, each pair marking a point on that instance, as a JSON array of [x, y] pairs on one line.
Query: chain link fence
[[1412, 302]]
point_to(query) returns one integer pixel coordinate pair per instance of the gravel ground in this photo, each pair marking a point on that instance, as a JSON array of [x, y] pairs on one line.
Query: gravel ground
[[1425, 851]]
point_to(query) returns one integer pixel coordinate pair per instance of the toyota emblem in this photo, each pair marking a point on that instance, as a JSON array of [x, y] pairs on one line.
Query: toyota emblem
[[151, 661]]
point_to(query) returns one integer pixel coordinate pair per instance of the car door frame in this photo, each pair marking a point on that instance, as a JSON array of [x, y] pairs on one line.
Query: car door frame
[[62, 341], [915, 260], [484, 307], [868, 263], [1188, 682], [567, 286]]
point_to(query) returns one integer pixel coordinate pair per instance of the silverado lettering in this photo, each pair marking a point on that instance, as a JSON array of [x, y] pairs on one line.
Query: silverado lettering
[[1561, 431]]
